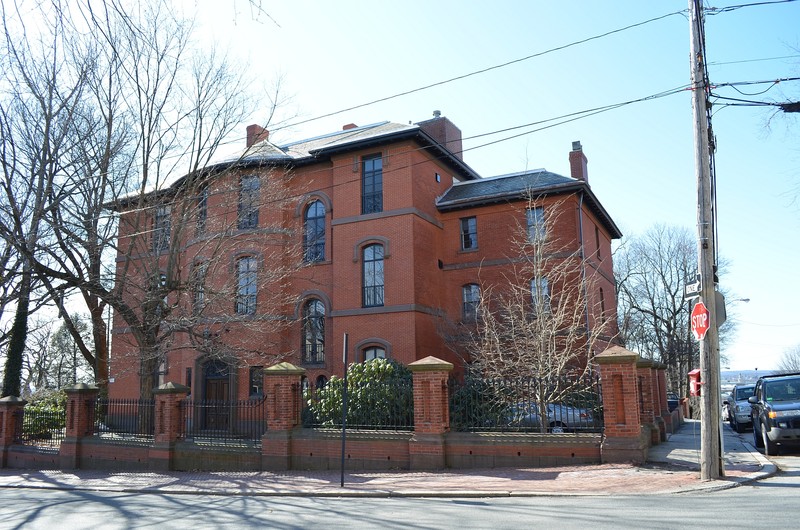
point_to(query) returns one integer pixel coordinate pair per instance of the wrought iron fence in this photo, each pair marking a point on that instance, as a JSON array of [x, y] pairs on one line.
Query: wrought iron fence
[[124, 419], [554, 404], [43, 427], [224, 423], [371, 405]]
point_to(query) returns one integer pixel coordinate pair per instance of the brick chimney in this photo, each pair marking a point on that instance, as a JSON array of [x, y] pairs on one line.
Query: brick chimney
[[578, 162], [256, 133], [443, 131]]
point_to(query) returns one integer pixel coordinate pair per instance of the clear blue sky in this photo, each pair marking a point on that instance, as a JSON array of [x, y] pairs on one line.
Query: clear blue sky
[[336, 55]]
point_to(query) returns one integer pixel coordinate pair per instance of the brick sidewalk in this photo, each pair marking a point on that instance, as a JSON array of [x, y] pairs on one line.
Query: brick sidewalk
[[608, 479]]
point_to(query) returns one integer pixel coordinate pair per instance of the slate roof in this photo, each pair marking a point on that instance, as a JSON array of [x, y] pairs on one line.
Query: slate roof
[[472, 191], [502, 187], [518, 186], [265, 151], [312, 149]]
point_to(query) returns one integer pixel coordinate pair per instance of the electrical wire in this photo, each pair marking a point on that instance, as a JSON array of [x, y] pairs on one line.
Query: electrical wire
[[719, 63], [484, 70], [559, 120], [727, 9]]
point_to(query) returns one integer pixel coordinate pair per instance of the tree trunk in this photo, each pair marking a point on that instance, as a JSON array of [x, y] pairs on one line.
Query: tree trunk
[[12, 375]]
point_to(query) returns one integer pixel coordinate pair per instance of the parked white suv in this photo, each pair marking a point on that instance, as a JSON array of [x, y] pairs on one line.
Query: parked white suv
[[739, 407]]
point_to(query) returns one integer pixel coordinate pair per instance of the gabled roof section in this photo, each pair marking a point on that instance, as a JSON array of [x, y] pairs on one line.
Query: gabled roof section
[[519, 186], [262, 151]]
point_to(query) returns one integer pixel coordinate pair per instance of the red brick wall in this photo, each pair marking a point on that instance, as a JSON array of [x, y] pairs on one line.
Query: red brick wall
[[424, 267]]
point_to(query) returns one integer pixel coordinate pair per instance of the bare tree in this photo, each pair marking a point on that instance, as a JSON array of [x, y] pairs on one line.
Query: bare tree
[[538, 321], [35, 124], [651, 272], [790, 360], [148, 109], [52, 358]]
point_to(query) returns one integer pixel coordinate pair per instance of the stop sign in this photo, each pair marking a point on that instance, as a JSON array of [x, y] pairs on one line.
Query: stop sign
[[700, 320]]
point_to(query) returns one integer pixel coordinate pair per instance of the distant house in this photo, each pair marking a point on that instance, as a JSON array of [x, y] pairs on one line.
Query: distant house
[[394, 233]]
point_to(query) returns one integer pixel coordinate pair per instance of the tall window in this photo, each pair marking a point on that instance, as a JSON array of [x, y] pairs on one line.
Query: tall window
[[256, 381], [199, 286], [246, 289], [602, 306], [374, 352], [159, 291], [373, 275], [161, 228], [202, 210], [314, 233], [540, 294], [313, 332], [537, 230], [248, 201], [469, 233], [597, 241], [372, 184], [471, 296]]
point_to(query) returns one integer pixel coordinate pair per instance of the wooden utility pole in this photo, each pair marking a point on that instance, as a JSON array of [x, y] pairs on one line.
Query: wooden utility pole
[[711, 462]]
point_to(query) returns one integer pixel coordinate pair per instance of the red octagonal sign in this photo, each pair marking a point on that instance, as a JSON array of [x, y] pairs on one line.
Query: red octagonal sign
[[700, 320]]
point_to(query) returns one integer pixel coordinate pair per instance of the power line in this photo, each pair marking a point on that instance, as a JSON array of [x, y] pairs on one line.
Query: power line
[[484, 70], [719, 10], [559, 120], [718, 63]]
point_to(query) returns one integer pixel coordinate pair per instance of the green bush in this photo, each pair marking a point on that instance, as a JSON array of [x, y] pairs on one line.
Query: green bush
[[380, 393], [45, 413]]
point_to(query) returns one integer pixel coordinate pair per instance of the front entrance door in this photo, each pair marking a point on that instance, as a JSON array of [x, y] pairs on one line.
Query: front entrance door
[[216, 392]]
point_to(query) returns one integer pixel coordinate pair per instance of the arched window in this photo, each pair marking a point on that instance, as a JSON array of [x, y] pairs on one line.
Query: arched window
[[314, 233], [314, 332], [471, 297], [372, 258], [374, 352], [321, 382]]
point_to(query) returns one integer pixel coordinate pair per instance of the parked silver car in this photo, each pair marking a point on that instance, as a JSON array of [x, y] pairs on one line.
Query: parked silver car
[[560, 418], [739, 407], [526, 416], [563, 417]]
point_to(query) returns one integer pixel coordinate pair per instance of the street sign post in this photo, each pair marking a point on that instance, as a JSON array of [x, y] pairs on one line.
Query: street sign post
[[701, 320]]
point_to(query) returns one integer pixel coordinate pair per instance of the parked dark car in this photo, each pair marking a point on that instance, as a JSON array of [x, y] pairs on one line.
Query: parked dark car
[[673, 401], [775, 412]]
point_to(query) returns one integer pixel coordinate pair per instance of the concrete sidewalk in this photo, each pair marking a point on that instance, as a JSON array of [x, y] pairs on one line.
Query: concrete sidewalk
[[673, 467]]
